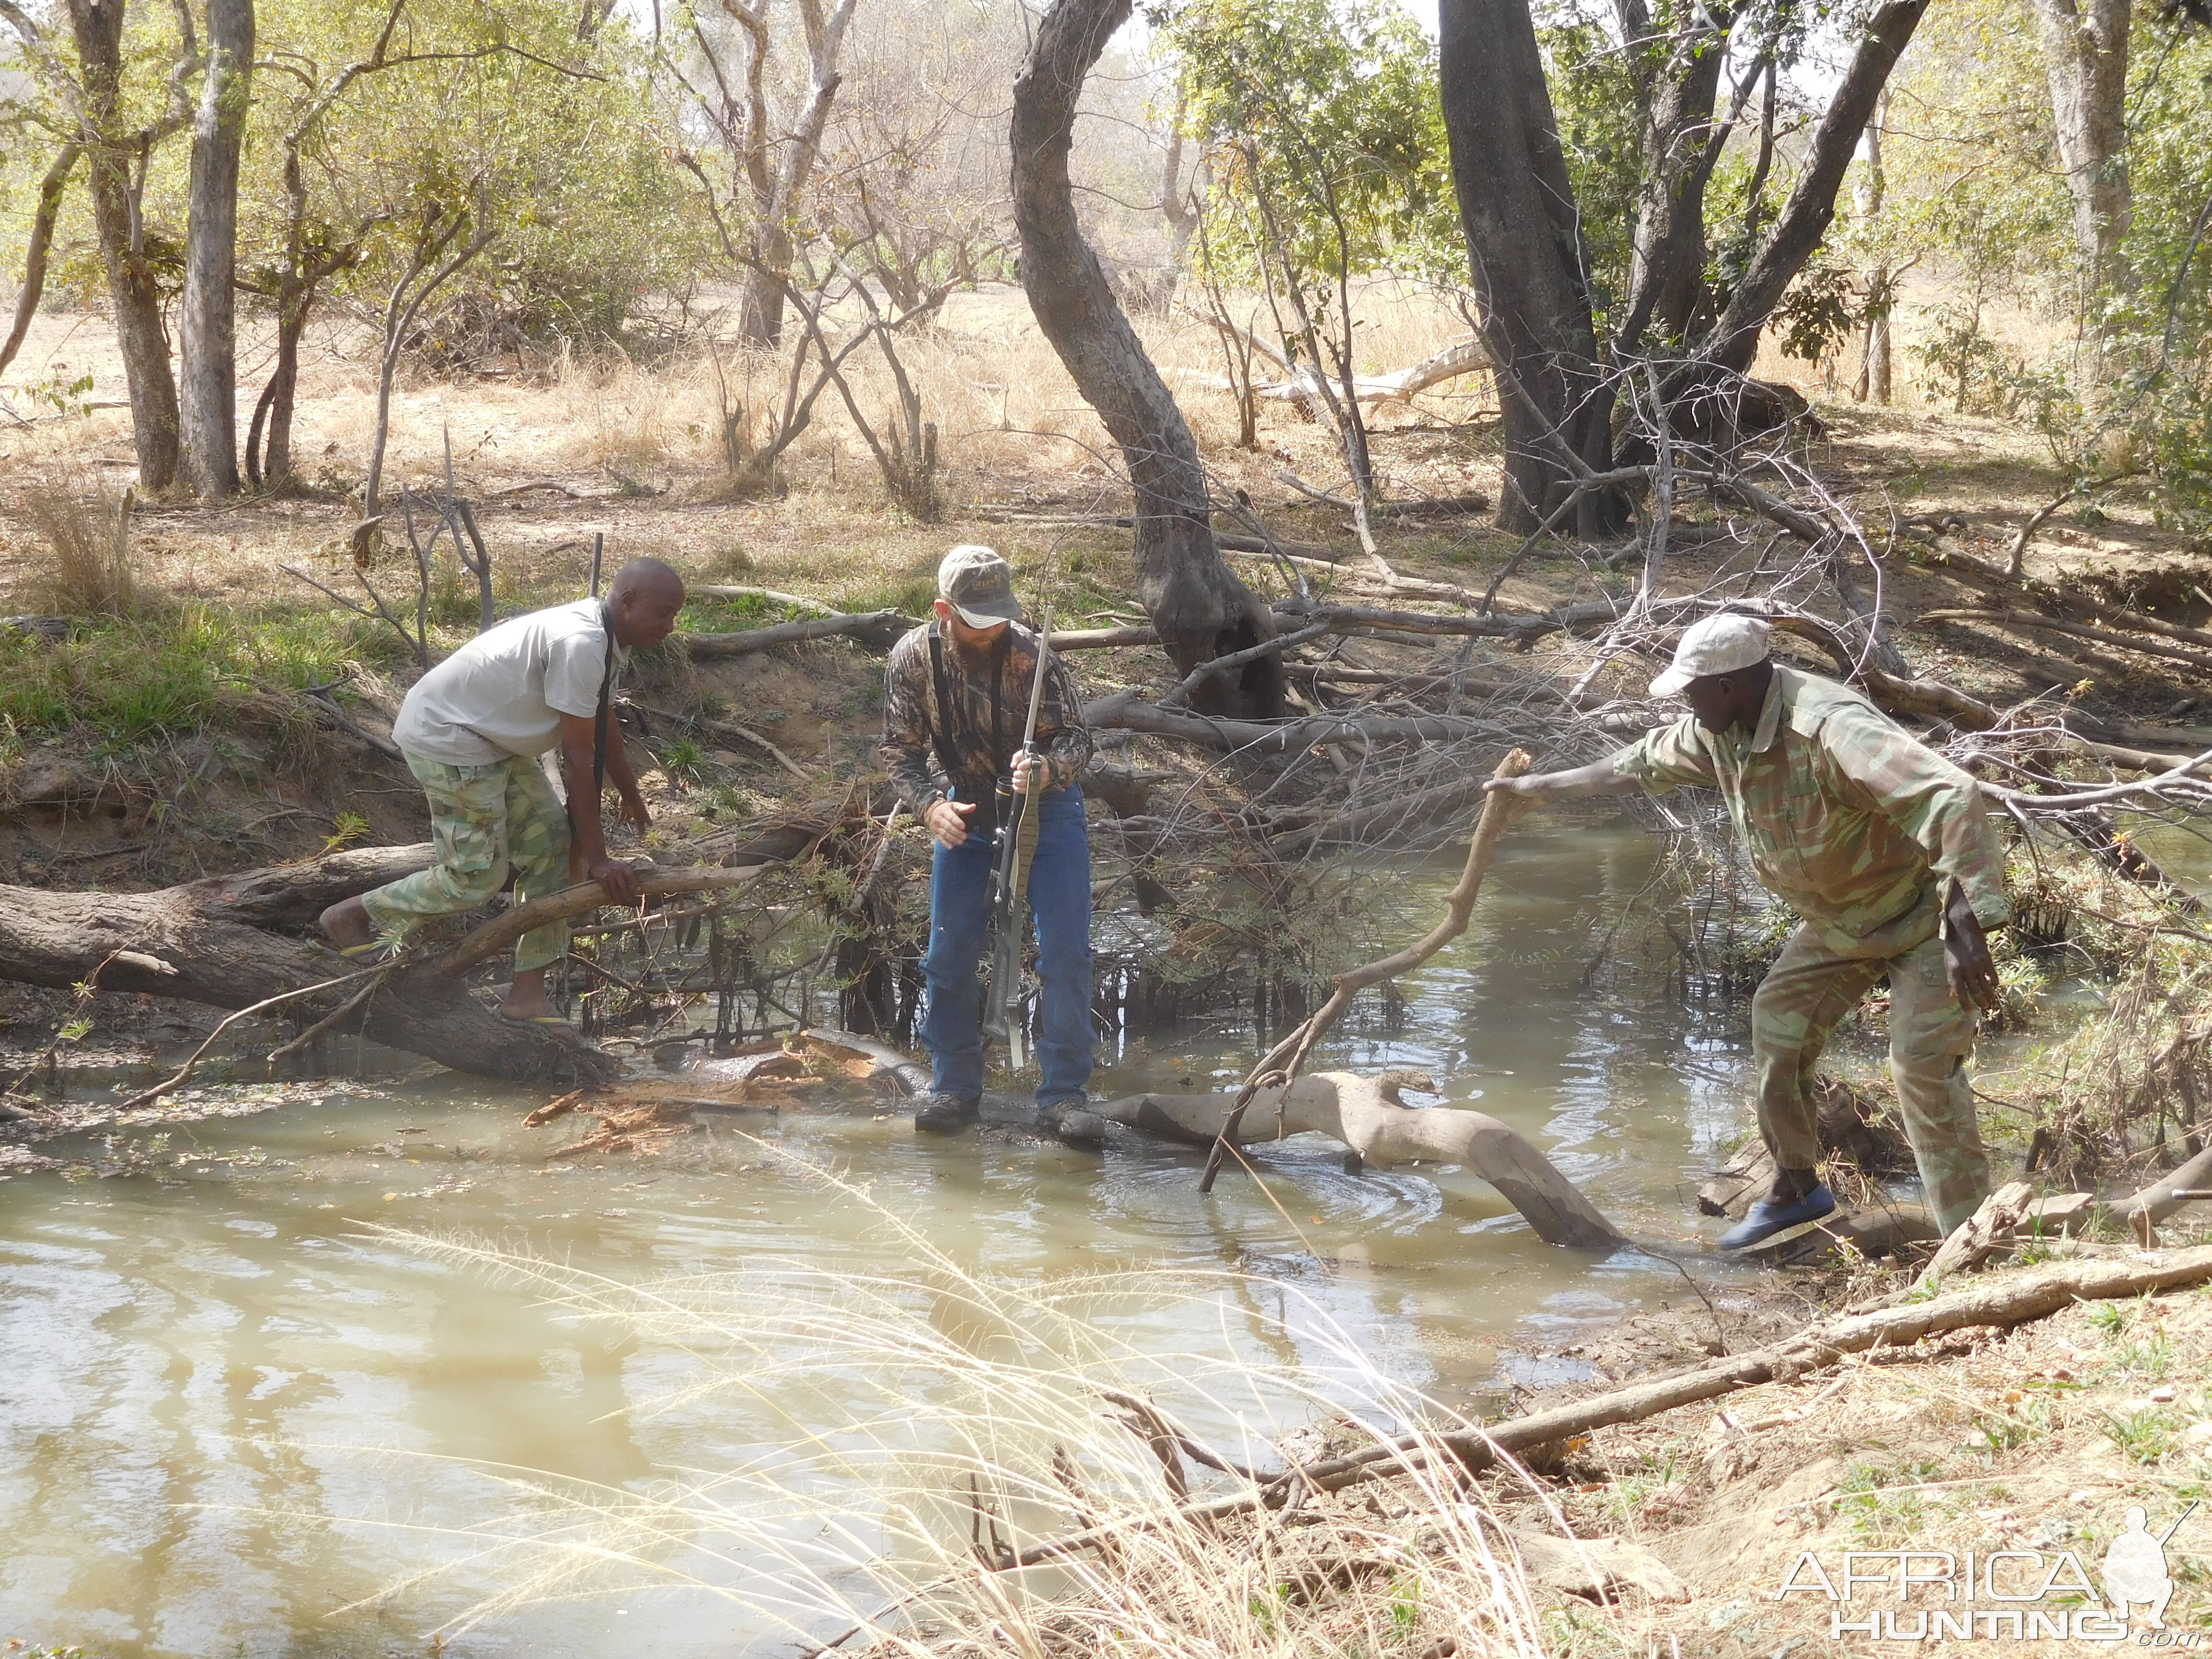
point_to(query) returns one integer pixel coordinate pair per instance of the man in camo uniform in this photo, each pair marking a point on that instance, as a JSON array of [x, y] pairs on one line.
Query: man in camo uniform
[[1885, 851]]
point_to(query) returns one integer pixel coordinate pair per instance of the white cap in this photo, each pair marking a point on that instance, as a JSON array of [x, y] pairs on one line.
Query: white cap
[[1716, 644]]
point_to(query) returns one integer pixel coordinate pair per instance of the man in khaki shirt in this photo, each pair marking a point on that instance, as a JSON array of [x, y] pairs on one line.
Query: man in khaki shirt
[[1885, 850]]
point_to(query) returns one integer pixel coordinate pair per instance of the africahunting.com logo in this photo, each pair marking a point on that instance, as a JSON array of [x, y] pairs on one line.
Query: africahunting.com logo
[[2011, 1595]]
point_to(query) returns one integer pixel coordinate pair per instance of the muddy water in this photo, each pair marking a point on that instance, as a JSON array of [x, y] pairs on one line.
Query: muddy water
[[202, 1360]]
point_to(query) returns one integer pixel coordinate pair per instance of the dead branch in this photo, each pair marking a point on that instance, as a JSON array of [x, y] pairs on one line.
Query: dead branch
[[496, 935], [2003, 1301], [1281, 1063], [730, 728], [1127, 710], [2034, 623]]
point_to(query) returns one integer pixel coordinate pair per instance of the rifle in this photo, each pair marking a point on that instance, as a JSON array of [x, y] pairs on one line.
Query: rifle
[[1002, 1015]]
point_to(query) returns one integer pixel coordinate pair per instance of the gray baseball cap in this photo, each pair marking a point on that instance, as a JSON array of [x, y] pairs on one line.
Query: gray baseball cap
[[978, 584], [1716, 644]]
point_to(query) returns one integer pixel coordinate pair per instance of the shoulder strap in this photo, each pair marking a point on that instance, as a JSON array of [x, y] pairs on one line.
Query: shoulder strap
[[940, 738], [599, 716]]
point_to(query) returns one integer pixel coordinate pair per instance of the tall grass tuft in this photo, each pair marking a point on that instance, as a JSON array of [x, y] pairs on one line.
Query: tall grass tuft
[[923, 1429], [91, 570]]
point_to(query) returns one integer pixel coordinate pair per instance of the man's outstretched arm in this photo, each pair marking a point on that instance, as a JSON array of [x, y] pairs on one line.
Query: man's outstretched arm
[[1598, 778]]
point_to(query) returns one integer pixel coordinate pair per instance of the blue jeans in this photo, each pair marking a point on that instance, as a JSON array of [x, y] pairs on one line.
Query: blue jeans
[[959, 916]]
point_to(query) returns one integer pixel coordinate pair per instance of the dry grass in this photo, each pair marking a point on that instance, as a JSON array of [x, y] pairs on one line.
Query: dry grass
[[87, 569]]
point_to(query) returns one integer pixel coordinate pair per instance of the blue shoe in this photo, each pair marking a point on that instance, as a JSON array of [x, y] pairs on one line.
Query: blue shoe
[[1768, 1217]]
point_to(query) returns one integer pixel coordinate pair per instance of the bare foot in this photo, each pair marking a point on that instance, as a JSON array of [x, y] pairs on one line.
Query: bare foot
[[347, 923], [526, 999]]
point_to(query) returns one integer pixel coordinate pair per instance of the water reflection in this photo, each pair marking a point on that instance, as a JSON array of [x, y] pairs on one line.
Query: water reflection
[[198, 1363]]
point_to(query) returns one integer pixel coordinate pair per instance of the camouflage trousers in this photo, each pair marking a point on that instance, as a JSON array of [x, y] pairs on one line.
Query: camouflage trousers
[[483, 819], [1819, 979]]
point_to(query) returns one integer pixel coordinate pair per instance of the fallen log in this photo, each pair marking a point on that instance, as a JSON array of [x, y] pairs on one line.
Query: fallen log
[[1366, 1115], [1979, 1235], [221, 942], [2002, 1300], [2030, 622], [877, 630]]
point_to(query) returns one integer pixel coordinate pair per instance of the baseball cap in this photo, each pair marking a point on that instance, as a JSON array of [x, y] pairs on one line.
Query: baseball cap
[[978, 584], [1716, 644]]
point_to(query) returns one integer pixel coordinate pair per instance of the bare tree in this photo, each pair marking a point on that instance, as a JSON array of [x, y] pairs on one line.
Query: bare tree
[[210, 301], [1881, 282], [430, 267], [1199, 607], [773, 150]]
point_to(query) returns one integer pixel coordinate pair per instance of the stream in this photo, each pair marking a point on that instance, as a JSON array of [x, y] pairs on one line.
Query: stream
[[206, 1355]]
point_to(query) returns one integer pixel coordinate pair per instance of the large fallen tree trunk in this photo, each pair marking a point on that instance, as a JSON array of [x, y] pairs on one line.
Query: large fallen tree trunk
[[1365, 1114], [880, 629], [234, 941], [223, 942]]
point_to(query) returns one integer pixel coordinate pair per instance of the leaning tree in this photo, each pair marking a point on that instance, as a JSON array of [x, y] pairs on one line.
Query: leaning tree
[[1199, 606]]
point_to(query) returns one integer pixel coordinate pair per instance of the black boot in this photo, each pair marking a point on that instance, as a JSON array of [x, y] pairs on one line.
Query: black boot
[[944, 1114]]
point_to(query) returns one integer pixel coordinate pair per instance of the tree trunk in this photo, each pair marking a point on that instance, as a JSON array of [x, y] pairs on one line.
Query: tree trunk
[[1811, 205], [1667, 275], [2084, 50], [223, 942], [210, 302], [1866, 202], [98, 25], [276, 398], [1199, 606], [1525, 249]]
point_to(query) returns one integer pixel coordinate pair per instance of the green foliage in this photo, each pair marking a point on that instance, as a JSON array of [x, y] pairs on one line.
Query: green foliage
[[1816, 316], [1594, 100], [684, 761], [1326, 117], [135, 679], [345, 829], [2123, 381], [565, 142]]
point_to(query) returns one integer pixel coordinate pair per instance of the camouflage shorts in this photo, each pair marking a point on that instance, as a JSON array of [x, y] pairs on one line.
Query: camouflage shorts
[[1805, 995], [483, 820]]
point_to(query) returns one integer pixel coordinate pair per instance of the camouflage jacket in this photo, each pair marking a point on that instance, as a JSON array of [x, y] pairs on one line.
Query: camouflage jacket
[[1846, 816], [912, 723]]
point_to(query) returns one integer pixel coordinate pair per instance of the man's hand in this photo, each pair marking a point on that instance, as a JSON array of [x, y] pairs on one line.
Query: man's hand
[[948, 822], [634, 809], [1027, 767], [622, 881], [1966, 958]]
